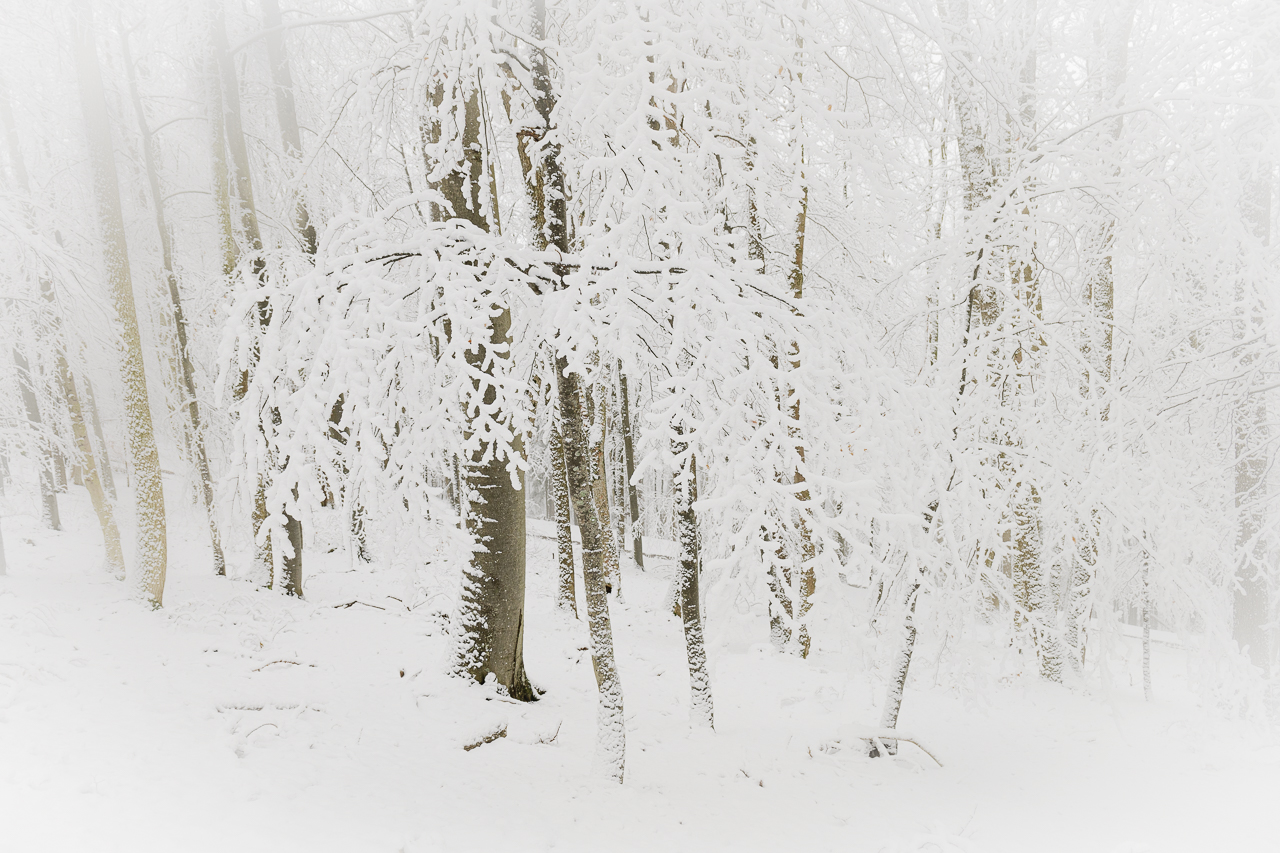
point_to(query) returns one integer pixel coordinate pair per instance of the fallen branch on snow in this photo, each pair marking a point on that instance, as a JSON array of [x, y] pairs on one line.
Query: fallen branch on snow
[[501, 731]]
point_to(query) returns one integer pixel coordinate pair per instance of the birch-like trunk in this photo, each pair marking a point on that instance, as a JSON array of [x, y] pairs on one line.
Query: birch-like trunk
[[152, 537]]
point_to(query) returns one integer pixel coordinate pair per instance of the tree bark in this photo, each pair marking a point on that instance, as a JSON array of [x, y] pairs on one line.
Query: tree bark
[[566, 589], [491, 611], [187, 375], [701, 708], [48, 490], [633, 491], [291, 561], [100, 449], [611, 724], [600, 488], [152, 536], [92, 479], [898, 686], [286, 112]]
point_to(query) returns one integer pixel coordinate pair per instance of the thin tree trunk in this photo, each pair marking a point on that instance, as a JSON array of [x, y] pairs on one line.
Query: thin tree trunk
[[797, 570], [701, 709], [633, 491], [93, 480], [611, 724], [48, 490], [152, 538], [566, 589], [26, 381], [191, 405], [600, 489], [286, 112], [898, 686], [291, 561], [1146, 627], [617, 468], [1097, 340], [100, 449], [1251, 436]]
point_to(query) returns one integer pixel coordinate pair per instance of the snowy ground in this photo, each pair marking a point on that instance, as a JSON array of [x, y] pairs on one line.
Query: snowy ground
[[237, 719]]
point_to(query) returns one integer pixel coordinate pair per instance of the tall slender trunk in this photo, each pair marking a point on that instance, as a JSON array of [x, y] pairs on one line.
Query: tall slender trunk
[[291, 560], [26, 382], [898, 674], [100, 448], [88, 469], [286, 112], [48, 489], [1097, 340], [93, 479], [566, 588], [633, 491], [1146, 627], [152, 537], [596, 416], [617, 469], [611, 730], [291, 139], [191, 403], [701, 708]]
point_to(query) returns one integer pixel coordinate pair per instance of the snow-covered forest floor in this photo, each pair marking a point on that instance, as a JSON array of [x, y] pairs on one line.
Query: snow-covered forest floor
[[239, 719]]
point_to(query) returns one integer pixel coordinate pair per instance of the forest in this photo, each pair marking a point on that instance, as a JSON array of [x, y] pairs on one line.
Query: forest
[[640, 424]]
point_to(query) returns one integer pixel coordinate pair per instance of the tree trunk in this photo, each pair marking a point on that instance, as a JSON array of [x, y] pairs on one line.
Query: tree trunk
[[191, 405], [152, 538], [898, 686], [286, 112], [566, 589], [490, 617], [633, 491], [600, 488], [701, 709], [1097, 340], [48, 490], [1146, 627], [611, 723], [93, 480], [291, 560], [100, 449]]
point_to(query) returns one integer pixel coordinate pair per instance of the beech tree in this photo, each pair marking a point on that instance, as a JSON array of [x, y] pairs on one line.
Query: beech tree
[[152, 535]]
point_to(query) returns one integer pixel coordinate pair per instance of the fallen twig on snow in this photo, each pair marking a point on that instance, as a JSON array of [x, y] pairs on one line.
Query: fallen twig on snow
[[274, 662]]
